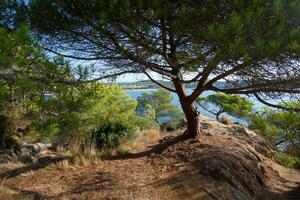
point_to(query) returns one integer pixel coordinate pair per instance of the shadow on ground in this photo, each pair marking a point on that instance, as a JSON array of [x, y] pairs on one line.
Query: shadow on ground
[[39, 164], [91, 186], [155, 149]]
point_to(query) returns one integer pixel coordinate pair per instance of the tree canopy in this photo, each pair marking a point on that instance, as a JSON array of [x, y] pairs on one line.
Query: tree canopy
[[282, 128], [252, 44], [34, 95], [234, 105]]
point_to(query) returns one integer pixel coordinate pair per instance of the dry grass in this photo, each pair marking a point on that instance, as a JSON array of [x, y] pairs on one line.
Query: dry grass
[[82, 154], [226, 120], [7, 194], [143, 139], [80, 158], [10, 163]]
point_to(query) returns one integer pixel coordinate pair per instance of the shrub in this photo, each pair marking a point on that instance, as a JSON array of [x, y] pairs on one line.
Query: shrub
[[286, 160], [77, 113], [282, 128], [112, 134], [173, 124]]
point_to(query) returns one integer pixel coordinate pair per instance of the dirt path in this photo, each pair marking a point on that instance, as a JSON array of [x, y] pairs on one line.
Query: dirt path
[[219, 167], [126, 177]]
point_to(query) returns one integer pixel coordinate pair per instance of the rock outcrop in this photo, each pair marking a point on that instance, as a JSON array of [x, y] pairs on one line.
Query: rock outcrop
[[226, 162]]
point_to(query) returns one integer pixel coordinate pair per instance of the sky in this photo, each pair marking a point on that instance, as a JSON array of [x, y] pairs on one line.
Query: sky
[[131, 78], [120, 79]]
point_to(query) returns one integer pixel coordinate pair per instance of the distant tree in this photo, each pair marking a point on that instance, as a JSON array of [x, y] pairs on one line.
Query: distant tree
[[234, 105], [253, 45], [157, 104]]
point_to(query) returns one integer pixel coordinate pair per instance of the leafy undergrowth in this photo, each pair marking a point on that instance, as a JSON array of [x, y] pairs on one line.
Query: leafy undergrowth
[[225, 162]]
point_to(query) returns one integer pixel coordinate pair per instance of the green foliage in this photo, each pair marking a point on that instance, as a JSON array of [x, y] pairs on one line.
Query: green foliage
[[6, 139], [3, 95], [254, 42], [111, 134], [35, 89], [113, 104], [77, 112], [264, 128], [286, 160], [280, 127], [156, 105], [234, 105]]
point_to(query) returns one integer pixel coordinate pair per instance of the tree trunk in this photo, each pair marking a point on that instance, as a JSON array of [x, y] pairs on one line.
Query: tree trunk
[[218, 114], [190, 111], [193, 119]]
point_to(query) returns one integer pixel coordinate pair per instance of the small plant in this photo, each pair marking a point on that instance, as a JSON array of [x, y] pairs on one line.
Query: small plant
[[286, 160]]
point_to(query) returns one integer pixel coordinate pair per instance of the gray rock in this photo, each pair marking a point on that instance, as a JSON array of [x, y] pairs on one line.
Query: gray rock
[[34, 149]]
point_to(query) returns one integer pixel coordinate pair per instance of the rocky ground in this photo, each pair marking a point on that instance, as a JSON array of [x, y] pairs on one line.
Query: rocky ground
[[225, 162]]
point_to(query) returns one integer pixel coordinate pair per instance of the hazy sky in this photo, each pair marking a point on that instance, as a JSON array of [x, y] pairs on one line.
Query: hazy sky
[[123, 78], [131, 78]]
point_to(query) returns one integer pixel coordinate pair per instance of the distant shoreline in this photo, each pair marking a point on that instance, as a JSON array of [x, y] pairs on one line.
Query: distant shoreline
[[143, 85], [139, 89]]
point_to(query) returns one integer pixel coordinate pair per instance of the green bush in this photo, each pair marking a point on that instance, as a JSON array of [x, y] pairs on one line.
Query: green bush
[[112, 134]]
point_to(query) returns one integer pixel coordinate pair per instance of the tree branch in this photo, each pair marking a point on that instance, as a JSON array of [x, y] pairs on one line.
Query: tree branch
[[206, 72], [193, 79], [227, 73], [274, 105], [76, 82], [84, 58], [161, 85], [136, 59], [252, 91]]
